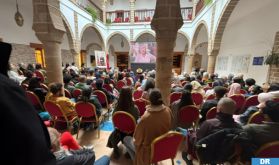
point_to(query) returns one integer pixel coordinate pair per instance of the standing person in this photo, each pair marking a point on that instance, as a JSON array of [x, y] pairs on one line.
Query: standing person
[[155, 122], [126, 104], [25, 135]]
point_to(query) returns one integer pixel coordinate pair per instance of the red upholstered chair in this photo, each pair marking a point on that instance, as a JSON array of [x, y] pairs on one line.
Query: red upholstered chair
[[175, 96], [276, 99], [171, 141], [269, 150], [127, 19], [34, 100], [124, 122], [250, 101], [211, 114], [183, 83], [206, 88], [140, 103], [137, 94], [120, 84], [240, 101], [87, 114], [188, 115], [242, 91], [76, 93], [44, 86], [128, 82], [256, 118], [136, 19], [108, 88], [67, 93], [25, 86], [93, 85], [102, 98], [57, 115], [210, 97], [40, 75], [197, 98]]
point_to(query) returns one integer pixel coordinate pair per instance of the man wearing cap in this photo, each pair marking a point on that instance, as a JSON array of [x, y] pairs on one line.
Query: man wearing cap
[[267, 131], [225, 110]]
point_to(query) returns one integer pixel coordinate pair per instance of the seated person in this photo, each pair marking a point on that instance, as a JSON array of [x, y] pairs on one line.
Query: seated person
[[56, 95], [268, 131], [67, 151], [28, 75], [87, 97], [99, 86], [155, 122], [219, 93], [186, 99], [82, 83], [262, 98], [35, 86], [126, 104], [225, 110], [67, 83]]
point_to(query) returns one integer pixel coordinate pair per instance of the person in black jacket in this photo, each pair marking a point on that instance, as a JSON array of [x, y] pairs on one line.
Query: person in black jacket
[[26, 139]]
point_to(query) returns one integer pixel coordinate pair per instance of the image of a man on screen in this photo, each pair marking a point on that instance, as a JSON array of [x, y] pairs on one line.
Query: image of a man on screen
[[142, 54]]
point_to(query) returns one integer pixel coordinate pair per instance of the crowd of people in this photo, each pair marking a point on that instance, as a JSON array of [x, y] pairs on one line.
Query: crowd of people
[[158, 118]]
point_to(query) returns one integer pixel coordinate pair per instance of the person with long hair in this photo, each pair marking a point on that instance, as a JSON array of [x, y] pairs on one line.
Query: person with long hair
[[149, 84], [186, 99], [126, 104]]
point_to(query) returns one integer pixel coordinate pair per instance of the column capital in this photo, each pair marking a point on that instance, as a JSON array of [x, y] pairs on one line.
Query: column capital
[[47, 21], [167, 16]]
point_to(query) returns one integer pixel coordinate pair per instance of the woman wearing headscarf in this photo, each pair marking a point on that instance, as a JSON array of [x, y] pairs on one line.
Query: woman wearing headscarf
[[197, 88], [234, 89]]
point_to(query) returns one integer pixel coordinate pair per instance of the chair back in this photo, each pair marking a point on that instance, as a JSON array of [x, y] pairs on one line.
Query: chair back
[[197, 98], [67, 93], [269, 150], [24, 86], [54, 109], [276, 100], [210, 97], [251, 101], [108, 88], [256, 118], [76, 93], [188, 115], [242, 91], [140, 103], [206, 88], [137, 94], [175, 96], [40, 75], [120, 84], [129, 82], [124, 122], [34, 100], [183, 83], [85, 109], [101, 97], [211, 114], [240, 101], [171, 140], [44, 86]]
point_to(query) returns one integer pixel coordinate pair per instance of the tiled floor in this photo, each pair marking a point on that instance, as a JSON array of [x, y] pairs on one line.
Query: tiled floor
[[90, 138]]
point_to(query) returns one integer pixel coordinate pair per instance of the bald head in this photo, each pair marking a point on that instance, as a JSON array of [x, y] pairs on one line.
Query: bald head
[[227, 106]]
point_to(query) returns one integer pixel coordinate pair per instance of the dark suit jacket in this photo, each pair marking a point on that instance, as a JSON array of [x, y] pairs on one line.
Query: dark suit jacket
[[25, 139]]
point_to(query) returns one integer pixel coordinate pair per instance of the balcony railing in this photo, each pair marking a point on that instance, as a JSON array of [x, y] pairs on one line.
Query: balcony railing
[[118, 16], [122, 16], [199, 6]]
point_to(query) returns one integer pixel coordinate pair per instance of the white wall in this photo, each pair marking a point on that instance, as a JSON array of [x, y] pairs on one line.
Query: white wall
[[180, 43], [90, 36], [118, 5], [202, 50], [9, 31], [250, 32], [115, 41]]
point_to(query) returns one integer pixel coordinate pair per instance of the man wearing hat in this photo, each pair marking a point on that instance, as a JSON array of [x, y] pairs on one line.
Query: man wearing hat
[[225, 110], [267, 131]]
